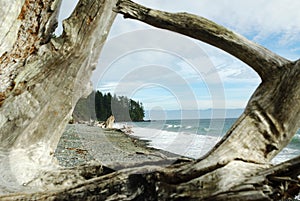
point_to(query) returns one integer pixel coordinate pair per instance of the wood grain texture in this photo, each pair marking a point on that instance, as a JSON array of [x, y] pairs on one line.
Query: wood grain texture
[[41, 87], [37, 101]]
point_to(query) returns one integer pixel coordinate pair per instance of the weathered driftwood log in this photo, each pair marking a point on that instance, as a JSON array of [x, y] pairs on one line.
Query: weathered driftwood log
[[109, 123], [42, 78], [272, 115], [237, 180]]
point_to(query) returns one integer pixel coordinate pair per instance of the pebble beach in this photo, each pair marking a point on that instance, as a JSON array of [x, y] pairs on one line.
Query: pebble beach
[[81, 143]]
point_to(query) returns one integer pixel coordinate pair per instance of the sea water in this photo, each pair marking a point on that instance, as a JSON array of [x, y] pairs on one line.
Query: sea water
[[195, 137]]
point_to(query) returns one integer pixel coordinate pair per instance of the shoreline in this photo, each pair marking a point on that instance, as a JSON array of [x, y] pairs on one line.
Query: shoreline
[[81, 144]]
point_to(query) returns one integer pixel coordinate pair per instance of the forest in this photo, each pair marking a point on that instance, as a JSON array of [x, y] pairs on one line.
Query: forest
[[123, 108]]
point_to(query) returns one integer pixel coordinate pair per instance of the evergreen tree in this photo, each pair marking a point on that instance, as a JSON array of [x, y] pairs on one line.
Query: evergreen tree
[[121, 107], [108, 107], [99, 106], [136, 111], [116, 107]]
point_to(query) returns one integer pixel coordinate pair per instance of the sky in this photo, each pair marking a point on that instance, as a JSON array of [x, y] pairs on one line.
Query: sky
[[168, 71]]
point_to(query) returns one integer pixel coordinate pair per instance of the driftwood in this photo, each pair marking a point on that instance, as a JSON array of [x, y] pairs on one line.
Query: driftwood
[[42, 77], [109, 123], [237, 168]]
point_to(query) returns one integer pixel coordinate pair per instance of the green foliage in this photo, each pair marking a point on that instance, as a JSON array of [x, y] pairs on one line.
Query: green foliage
[[121, 107], [84, 109]]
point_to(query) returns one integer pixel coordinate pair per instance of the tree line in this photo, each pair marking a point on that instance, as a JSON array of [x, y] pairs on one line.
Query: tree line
[[123, 108]]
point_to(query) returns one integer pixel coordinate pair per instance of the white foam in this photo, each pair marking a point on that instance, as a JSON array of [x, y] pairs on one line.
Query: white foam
[[186, 144], [190, 145]]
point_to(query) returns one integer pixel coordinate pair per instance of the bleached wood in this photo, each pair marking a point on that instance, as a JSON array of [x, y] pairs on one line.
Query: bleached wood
[[49, 75], [271, 117], [44, 78]]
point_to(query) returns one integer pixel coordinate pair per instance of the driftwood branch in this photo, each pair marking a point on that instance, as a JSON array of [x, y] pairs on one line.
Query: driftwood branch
[[262, 60], [50, 75], [250, 182], [266, 122]]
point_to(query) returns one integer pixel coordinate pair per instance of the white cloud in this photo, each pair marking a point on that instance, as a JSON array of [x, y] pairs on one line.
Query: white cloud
[[228, 68], [271, 23], [259, 18], [179, 67]]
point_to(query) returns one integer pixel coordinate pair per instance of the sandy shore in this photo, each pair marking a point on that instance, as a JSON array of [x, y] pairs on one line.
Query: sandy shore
[[81, 143]]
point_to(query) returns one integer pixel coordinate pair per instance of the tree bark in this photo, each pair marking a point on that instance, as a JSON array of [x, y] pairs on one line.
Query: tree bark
[[42, 78]]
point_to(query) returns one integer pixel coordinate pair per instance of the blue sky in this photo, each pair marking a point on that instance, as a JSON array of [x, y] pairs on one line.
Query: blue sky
[[168, 71]]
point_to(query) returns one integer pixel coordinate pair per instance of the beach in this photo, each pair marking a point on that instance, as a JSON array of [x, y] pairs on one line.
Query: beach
[[113, 148], [81, 144]]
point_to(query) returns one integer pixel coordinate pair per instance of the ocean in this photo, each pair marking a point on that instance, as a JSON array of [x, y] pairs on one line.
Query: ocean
[[195, 137]]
